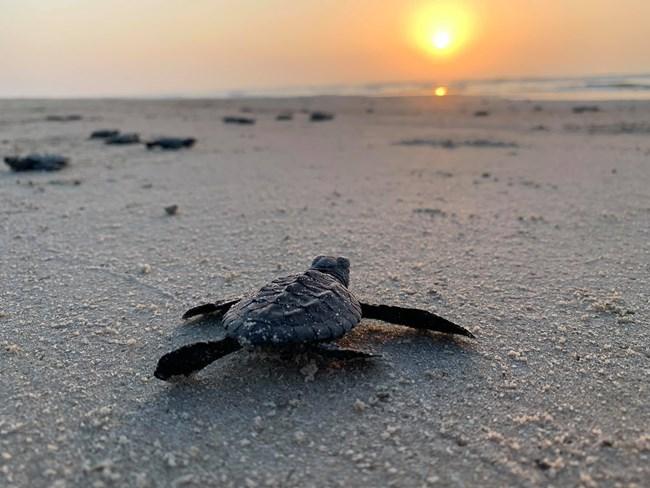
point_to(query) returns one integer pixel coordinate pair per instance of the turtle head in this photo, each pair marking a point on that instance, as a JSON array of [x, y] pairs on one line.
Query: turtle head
[[339, 267]]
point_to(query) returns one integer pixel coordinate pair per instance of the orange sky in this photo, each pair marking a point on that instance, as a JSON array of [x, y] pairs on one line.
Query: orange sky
[[149, 47]]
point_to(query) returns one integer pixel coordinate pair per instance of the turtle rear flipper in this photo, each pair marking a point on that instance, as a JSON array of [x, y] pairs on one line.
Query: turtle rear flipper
[[221, 306], [193, 357], [412, 317]]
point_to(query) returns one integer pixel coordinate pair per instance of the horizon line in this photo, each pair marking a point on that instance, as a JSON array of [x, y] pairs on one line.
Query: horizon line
[[322, 90]]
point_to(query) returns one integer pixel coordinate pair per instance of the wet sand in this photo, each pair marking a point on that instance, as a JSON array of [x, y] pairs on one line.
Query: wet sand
[[529, 226]]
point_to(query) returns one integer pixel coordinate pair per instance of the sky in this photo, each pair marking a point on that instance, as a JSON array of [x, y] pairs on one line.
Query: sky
[[69, 48]]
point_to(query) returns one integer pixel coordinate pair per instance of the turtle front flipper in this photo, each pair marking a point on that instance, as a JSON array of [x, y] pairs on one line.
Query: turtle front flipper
[[412, 317], [221, 307], [193, 357]]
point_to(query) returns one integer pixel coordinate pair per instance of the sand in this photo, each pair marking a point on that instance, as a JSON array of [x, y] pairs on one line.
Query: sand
[[536, 238]]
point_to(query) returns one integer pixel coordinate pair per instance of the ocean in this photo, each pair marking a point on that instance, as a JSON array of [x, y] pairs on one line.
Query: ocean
[[610, 87]]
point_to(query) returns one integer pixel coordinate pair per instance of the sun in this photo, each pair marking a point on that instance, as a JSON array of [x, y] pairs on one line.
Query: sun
[[441, 28], [441, 39]]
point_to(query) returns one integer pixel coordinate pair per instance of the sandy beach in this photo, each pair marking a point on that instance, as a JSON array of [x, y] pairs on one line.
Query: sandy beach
[[529, 225]]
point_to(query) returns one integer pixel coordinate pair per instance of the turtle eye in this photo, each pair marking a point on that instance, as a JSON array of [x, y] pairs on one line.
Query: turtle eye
[[343, 262]]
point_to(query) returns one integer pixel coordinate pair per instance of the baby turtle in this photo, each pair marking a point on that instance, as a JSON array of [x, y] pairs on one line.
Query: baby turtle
[[320, 116], [306, 309], [121, 139], [37, 162], [171, 143], [104, 133]]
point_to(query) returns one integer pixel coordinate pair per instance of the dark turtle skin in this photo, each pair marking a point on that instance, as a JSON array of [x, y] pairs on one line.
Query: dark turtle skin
[[37, 162], [307, 309], [234, 119], [171, 143]]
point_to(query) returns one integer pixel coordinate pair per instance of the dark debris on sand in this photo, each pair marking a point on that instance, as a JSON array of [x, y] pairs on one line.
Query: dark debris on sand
[[233, 119], [171, 209], [431, 212], [581, 109], [631, 128], [63, 118], [451, 144]]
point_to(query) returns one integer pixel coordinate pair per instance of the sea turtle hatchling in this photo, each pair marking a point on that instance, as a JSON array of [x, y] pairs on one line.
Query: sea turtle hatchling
[[171, 143], [122, 139], [37, 162], [104, 133], [307, 309]]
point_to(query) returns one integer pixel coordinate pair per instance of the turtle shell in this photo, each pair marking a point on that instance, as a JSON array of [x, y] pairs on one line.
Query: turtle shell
[[309, 307]]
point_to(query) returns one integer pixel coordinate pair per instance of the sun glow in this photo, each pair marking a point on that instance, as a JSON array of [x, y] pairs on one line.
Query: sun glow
[[441, 91], [442, 28]]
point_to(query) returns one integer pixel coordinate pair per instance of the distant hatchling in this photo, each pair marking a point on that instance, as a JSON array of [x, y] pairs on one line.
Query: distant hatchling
[[104, 133], [123, 139], [171, 143], [37, 162], [319, 116], [307, 310]]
